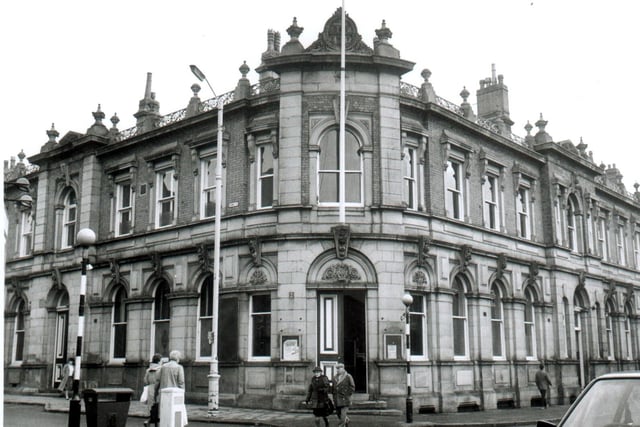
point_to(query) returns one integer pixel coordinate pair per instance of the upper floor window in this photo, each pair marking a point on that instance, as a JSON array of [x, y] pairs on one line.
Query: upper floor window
[[208, 187], [124, 209], [410, 169], [602, 234], [26, 233], [523, 211], [454, 197], [329, 170], [571, 224], [260, 327], [418, 326], [69, 218], [621, 244], [119, 325], [166, 189], [491, 203], [265, 165], [459, 317], [18, 334], [497, 323], [636, 249], [530, 323]]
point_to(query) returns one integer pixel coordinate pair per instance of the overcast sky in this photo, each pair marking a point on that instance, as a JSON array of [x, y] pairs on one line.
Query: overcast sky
[[575, 61]]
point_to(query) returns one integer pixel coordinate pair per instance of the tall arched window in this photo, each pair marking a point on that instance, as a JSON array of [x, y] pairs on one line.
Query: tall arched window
[[18, 333], [329, 170], [609, 309], [567, 326], [497, 323], [459, 317], [628, 313], [69, 217], [161, 319], [119, 325], [530, 322], [600, 341], [205, 314]]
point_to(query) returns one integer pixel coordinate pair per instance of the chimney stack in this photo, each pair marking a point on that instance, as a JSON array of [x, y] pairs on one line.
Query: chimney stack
[[493, 101]]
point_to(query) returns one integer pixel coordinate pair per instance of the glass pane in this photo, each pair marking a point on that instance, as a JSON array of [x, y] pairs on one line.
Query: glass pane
[[71, 234], [161, 308], [19, 345], [459, 346], [329, 151], [266, 192], [210, 203], [451, 175], [408, 162], [496, 330], [120, 341], [71, 198], [205, 328], [262, 335], [353, 194], [228, 330], [167, 184], [417, 306], [528, 330], [266, 160], [261, 303], [209, 172], [352, 152], [161, 341], [417, 334], [206, 298], [126, 196], [328, 187], [72, 214]]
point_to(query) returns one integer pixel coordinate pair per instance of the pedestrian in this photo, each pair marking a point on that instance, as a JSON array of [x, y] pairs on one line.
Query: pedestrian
[[152, 382], [343, 388], [543, 382], [66, 378], [318, 397], [172, 375]]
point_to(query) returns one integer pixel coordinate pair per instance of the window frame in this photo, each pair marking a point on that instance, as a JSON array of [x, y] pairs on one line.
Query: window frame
[[162, 300], [636, 249], [25, 245], [19, 335], [410, 177], [459, 289], [120, 210], [205, 294], [602, 236], [491, 207], [253, 316], [529, 325], [336, 172], [161, 200], [261, 177], [417, 317], [621, 243], [120, 292], [207, 187], [524, 219], [497, 301], [628, 332], [609, 326], [571, 225], [69, 225]]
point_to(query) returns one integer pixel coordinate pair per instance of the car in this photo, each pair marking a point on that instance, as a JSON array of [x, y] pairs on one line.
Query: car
[[611, 400]]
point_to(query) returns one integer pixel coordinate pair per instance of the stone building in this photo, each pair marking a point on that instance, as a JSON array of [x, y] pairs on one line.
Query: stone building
[[516, 250]]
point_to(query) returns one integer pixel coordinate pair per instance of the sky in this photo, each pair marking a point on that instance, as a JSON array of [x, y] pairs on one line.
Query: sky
[[574, 61]]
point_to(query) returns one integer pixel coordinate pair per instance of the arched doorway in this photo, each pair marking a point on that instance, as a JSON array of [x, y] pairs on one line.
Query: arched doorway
[[61, 337]]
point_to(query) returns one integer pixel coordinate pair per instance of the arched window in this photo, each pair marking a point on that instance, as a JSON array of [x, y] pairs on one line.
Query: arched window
[[18, 334], [609, 309], [69, 217], [205, 315], [459, 316], [161, 319], [628, 313], [119, 325], [567, 325], [572, 233], [600, 341], [530, 323], [329, 170], [497, 323]]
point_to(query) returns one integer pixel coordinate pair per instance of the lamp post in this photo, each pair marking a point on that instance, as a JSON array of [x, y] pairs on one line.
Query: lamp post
[[214, 375], [86, 237], [24, 201], [407, 300]]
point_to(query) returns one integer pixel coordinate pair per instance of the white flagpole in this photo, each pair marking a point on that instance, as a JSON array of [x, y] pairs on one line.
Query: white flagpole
[[342, 165]]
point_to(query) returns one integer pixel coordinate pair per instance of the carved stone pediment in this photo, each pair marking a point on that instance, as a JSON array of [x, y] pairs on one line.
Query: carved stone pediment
[[341, 273], [329, 39]]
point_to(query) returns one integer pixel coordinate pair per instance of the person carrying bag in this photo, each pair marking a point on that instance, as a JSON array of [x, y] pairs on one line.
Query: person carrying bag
[[318, 397]]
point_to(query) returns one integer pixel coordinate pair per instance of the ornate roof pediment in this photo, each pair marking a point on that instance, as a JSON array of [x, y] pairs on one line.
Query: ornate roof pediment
[[329, 39]]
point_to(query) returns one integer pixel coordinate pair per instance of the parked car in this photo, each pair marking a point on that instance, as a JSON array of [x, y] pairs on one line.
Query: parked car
[[612, 400]]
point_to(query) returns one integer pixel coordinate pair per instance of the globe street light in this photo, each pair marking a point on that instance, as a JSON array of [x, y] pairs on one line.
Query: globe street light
[[85, 238], [214, 375], [407, 300]]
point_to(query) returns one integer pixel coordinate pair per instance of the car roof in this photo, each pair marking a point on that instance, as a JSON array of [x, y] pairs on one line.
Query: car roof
[[620, 375]]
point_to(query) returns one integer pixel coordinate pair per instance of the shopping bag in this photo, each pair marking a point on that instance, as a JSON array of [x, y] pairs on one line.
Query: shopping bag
[[145, 394]]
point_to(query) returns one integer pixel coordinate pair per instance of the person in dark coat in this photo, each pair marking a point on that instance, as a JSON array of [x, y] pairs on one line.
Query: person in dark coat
[[343, 388], [152, 380], [318, 396], [543, 382]]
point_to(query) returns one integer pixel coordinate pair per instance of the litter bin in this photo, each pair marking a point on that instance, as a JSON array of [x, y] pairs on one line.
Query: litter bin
[[107, 407]]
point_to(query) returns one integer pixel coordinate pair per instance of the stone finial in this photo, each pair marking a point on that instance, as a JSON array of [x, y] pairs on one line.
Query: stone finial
[[243, 88], [426, 90], [194, 103], [98, 129], [582, 147], [294, 30], [276, 41], [113, 132], [51, 143], [464, 94], [529, 139], [383, 33], [467, 111], [542, 136], [21, 156]]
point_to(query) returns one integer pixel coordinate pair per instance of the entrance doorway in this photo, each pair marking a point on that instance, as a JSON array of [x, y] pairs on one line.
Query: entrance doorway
[[61, 340], [342, 334]]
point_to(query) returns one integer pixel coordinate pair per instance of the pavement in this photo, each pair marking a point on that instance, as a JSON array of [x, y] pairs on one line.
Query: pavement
[[272, 418]]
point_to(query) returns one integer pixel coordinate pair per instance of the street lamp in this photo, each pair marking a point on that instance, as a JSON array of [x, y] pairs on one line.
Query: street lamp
[[407, 300], [86, 237], [214, 375], [24, 201]]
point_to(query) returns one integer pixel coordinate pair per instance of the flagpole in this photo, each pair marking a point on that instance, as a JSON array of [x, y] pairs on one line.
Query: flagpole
[[341, 155]]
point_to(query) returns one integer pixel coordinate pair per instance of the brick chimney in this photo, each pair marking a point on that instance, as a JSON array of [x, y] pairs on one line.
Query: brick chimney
[[493, 101]]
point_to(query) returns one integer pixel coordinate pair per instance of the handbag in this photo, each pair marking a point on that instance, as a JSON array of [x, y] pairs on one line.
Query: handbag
[[145, 394], [329, 408]]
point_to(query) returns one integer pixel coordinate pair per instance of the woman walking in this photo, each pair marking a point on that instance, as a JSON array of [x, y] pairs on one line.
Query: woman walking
[[318, 396], [66, 380], [152, 382]]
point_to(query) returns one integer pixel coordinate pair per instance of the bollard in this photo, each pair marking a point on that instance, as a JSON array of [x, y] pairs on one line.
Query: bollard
[[173, 412]]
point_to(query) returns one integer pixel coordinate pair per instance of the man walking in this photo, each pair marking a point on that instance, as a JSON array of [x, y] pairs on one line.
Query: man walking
[[543, 382]]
